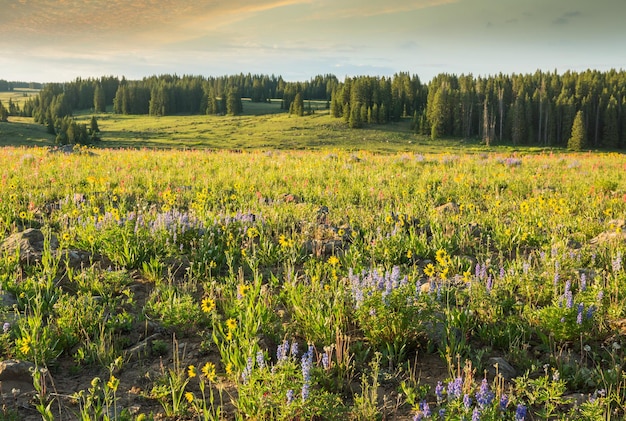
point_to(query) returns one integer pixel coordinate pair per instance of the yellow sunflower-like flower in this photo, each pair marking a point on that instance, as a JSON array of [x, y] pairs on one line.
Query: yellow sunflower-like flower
[[208, 370], [191, 371], [429, 270], [231, 324], [207, 305], [189, 397]]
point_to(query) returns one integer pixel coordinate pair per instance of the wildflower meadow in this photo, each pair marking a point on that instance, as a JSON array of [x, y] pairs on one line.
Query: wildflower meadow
[[326, 285]]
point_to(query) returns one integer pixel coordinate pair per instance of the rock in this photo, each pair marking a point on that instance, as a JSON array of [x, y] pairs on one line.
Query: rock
[[30, 243], [16, 371], [289, 198], [449, 207], [76, 259], [142, 349], [324, 248], [576, 398], [498, 365], [176, 266], [608, 237], [7, 299]]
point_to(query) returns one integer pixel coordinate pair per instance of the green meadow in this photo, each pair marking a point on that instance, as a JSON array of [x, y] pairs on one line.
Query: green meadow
[[263, 126], [274, 267]]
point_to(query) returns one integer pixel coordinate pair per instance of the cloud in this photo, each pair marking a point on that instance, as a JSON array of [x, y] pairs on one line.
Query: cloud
[[370, 8], [565, 18], [80, 21]]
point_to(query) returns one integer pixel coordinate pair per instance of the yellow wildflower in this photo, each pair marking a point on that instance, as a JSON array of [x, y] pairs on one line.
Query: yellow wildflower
[[207, 305], [208, 370], [191, 371], [429, 270], [24, 344], [242, 289], [333, 260], [229, 368], [113, 383], [189, 396], [231, 324]]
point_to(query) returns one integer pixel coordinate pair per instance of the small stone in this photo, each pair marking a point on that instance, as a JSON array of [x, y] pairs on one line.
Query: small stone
[[16, 371], [503, 368], [449, 207]]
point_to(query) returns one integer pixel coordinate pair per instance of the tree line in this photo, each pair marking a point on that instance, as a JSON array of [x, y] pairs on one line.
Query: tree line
[[6, 86], [170, 95], [529, 109]]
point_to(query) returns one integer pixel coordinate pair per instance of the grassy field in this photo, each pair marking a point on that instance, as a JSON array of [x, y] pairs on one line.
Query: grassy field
[[173, 284], [261, 127], [18, 96]]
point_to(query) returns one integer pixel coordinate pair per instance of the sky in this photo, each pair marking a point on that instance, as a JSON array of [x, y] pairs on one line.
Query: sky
[[56, 41]]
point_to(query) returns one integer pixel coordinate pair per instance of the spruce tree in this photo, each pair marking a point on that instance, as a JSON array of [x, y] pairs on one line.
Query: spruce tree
[[578, 139], [4, 113], [99, 99]]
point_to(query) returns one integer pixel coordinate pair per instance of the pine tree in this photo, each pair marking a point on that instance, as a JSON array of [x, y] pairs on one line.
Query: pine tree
[[297, 105], [355, 116], [99, 99], [234, 105], [578, 139], [93, 125], [4, 113], [50, 129], [611, 124]]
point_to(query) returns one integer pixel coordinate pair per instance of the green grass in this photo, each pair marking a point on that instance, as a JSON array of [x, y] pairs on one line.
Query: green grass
[[263, 126], [18, 95], [21, 131]]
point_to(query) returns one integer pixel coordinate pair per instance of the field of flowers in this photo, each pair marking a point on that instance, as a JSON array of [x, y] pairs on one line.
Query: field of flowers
[[183, 285]]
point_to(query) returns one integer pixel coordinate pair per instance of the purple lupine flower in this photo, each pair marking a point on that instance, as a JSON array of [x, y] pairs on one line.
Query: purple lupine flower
[[590, 312], [281, 351], [569, 297], [260, 359], [477, 271], [442, 413], [504, 402], [489, 285], [289, 396], [579, 316], [556, 278], [6, 327], [476, 414], [325, 361], [245, 374], [525, 268], [583, 282], [454, 388], [617, 262], [502, 273], [600, 295], [439, 391], [484, 395], [520, 412], [294, 349], [425, 409], [467, 401], [307, 364]]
